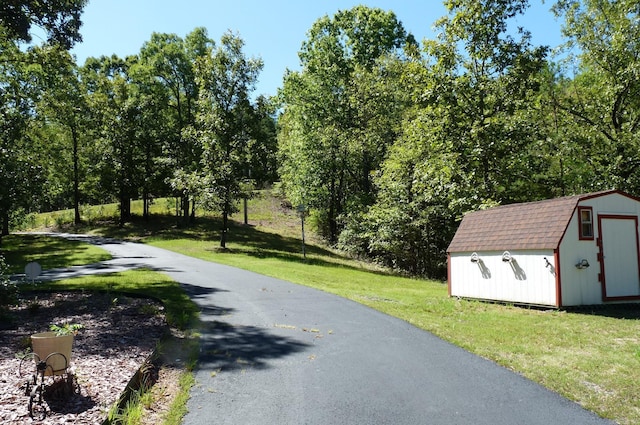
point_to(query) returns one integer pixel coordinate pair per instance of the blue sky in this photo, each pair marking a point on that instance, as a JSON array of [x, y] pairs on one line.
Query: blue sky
[[272, 30]]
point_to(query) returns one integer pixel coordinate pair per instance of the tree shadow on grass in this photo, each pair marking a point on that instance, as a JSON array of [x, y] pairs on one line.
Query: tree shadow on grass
[[208, 229], [227, 347], [49, 252], [246, 240]]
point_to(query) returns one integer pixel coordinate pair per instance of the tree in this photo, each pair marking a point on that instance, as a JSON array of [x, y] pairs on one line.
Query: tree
[[18, 92], [225, 79], [263, 144], [20, 174], [64, 101], [604, 96], [490, 82], [171, 61], [466, 143], [326, 161], [60, 19], [563, 157], [117, 102]]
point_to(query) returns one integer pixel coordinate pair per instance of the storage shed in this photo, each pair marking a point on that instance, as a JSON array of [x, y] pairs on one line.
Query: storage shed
[[569, 251]]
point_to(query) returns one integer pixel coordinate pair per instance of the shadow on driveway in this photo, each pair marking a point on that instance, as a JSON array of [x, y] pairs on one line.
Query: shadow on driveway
[[227, 347]]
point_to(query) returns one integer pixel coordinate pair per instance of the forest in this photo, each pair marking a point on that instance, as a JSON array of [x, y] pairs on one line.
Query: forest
[[386, 140]]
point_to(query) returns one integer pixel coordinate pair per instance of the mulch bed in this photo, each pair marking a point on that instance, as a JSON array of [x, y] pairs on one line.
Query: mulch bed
[[120, 333]]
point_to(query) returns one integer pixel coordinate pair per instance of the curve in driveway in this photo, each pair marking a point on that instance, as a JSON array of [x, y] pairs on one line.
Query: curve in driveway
[[273, 352]]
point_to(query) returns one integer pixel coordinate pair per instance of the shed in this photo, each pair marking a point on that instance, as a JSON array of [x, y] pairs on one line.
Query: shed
[[569, 251]]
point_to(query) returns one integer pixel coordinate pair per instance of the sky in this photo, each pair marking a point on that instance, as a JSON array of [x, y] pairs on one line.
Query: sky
[[272, 30]]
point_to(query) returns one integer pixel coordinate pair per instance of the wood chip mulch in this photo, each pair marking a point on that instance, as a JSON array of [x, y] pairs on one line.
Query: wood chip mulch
[[119, 335]]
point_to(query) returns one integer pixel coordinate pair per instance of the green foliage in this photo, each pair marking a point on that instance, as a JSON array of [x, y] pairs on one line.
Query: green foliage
[[225, 115], [169, 61], [60, 19], [8, 290], [341, 112], [66, 328], [466, 143], [603, 98], [21, 174], [482, 122]]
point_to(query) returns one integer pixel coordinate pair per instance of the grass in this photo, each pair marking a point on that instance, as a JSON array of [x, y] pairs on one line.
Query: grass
[[590, 356], [178, 408], [50, 252]]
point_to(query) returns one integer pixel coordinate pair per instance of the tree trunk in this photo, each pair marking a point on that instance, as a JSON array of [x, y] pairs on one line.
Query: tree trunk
[[223, 234], [145, 205], [76, 177], [185, 208], [5, 224], [125, 208], [225, 221]]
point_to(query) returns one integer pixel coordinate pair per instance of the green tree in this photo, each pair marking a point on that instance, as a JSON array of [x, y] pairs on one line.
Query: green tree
[[116, 101], [60, 19], [64, 102], [171, 60], [263, 144], [330, 142], [154, 128], [225, 116], [604, 95], [466, 144], [20, 174], [563, 156], [490, 81], [19, 92]]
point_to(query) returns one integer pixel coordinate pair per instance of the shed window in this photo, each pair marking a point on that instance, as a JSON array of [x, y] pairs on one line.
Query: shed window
[[585, 219]]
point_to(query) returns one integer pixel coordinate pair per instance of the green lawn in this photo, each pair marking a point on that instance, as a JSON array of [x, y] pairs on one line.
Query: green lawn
[[49, 252]]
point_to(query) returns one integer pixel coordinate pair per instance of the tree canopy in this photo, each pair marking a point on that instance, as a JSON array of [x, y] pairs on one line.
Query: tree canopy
[[60, 19], [325, 164]]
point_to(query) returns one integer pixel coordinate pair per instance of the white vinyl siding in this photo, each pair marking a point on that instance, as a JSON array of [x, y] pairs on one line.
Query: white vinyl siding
[[525, 279]]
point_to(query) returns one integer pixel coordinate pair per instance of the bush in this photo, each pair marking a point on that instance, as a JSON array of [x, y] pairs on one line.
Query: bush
[[8, 292]]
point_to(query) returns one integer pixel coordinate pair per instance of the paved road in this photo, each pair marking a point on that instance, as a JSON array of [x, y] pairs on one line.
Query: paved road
[[277, 353]]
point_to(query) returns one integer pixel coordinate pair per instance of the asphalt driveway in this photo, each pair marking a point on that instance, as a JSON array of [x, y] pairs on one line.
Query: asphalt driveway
[[273, 352]]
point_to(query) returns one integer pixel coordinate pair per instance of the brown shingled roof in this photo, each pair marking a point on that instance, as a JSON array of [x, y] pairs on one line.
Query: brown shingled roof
[[532, 225]]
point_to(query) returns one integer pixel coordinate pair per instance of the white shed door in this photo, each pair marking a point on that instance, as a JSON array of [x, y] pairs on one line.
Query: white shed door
[[619, 250]]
